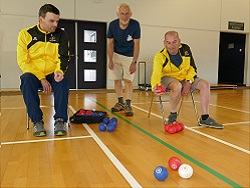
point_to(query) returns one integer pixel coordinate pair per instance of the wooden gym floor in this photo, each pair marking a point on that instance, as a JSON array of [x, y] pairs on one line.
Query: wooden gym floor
[[128, 156]]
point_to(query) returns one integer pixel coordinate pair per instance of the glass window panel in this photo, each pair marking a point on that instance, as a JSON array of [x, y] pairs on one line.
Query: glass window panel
[[90, 55], [90, 36], [89, 75]]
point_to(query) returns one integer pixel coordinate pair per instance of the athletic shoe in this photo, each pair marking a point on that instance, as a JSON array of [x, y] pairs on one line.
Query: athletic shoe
[[128, 111], [172, 118], [118, 107], [39, 129], [211, 123], [60, 127]]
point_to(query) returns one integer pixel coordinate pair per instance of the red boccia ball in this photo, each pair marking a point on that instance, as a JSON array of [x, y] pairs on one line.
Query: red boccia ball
[[182, 126], [166, 127], [172, 129], [174, 163]]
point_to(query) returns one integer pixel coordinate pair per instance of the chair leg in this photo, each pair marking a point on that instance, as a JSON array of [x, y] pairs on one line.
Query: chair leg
[[195, 109], [68, 121], [150, 107], [27, 120], [180, 106], [162, 111]]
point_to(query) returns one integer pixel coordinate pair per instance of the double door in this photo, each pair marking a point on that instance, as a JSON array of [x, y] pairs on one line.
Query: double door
[[87, 67]]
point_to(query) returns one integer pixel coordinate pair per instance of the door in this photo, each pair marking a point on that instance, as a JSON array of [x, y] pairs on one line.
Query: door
[[69, 27], [231, 58], [91, 42]]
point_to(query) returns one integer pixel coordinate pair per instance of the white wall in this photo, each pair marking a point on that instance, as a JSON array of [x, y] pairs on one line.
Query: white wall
[[199, 23]]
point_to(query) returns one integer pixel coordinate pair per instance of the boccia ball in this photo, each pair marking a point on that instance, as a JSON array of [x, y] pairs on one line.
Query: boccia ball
[[160, 89], [102, 127], [106, 120], [110, 127], [182, 126], [115, 124], [185, 171], [166, 127], [88, 112], [174, 163], [178, 127], [113, 119], [161, 173], [172, 129], [81, 112]]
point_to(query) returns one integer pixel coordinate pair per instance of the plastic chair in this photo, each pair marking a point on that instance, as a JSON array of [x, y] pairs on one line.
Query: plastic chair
[[162, 107]]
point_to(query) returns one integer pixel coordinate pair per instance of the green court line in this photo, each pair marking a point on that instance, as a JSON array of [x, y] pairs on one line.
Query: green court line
[[208, 169]]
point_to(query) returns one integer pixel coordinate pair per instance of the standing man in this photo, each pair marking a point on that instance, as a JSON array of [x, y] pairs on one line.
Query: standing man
[[124, 36], [43, 57], [175, 69]]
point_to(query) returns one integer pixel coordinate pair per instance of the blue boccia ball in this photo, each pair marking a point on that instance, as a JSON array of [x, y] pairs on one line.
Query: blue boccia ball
[[106, 120], [114, 119], [111, 127], [102, 127], [161, 173]]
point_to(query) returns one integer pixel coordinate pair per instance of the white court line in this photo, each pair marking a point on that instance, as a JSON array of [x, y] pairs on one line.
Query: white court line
[[234, 109], [44, 140], [125, 173], [204, 134], [225, 124], [231, 108], [237, 123], [18, 108]]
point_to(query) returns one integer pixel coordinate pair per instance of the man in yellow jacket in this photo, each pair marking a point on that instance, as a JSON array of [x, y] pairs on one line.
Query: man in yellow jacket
[[43, 57], [174, 69]]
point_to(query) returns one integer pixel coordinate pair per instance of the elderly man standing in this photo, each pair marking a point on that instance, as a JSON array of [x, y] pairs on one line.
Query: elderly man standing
[[123, 50]]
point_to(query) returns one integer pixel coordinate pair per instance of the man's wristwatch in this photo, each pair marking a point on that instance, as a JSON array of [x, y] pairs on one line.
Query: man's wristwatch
[[189, 81]]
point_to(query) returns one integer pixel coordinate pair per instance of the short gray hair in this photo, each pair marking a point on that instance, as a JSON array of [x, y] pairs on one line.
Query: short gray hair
[[123, 5]]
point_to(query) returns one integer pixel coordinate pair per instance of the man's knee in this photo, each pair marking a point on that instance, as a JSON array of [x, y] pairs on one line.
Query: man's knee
[[127, 81], [28, 80], [28, 77], [62, 85], [203, 85], [175, 86]]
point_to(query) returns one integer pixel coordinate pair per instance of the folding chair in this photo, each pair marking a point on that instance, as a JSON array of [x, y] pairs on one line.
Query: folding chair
[[180, 105], [28, 119]]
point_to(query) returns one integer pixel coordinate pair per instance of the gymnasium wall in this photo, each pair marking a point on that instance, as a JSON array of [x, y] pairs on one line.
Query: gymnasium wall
[[199, 23]]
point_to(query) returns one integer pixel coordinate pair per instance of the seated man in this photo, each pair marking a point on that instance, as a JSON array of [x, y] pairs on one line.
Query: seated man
[[174, 68], [43, 57]]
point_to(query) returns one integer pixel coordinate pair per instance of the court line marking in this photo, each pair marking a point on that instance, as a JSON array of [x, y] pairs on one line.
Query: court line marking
[[204, 134], [201, 165], [124, 172], [234, 109], [44, 140], [18, 108]]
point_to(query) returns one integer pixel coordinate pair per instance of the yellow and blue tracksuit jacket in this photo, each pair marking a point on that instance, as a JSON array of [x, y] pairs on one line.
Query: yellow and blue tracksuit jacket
[[164, 67], [42, 53]]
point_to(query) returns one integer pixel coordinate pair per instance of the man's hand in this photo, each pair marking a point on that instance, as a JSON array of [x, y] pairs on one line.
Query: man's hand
[[159, 90], [186, 89], [58, 76], [111, 65], [132, 68], [46, 86]]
